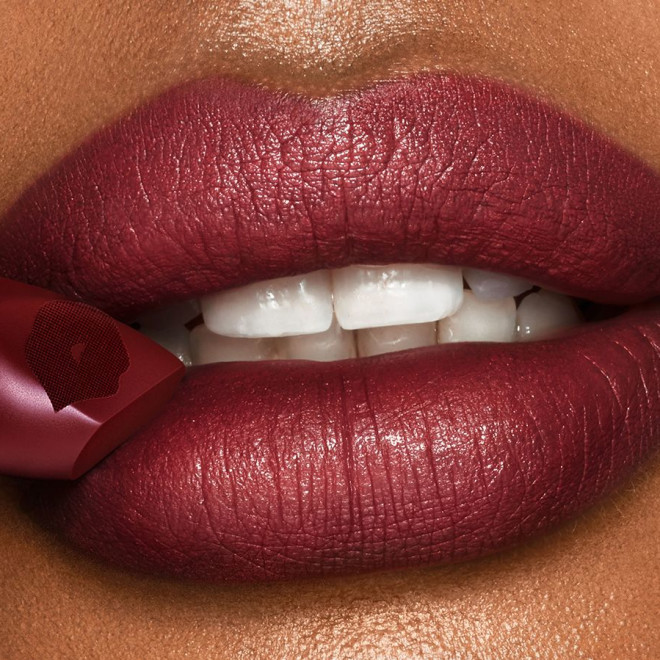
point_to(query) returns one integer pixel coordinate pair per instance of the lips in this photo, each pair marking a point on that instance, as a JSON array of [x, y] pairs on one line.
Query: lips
[[280, 470]]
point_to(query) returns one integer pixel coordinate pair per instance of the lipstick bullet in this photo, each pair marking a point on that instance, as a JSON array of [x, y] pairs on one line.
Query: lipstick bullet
[[74, 383]]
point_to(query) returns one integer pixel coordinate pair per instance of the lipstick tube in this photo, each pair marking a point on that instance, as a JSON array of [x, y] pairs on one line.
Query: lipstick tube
[[74, 383]]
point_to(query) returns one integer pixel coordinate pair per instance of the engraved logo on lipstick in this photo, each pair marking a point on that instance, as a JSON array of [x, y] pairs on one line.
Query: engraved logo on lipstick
[[76, 352]]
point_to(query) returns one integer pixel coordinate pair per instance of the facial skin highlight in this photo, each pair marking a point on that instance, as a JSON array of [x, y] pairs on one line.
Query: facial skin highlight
[[591, 588]]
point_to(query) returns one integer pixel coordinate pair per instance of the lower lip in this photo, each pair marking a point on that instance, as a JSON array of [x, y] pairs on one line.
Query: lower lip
[[268, 471]]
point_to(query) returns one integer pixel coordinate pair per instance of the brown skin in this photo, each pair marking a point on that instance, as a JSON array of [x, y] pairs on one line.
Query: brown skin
[[592, 588]]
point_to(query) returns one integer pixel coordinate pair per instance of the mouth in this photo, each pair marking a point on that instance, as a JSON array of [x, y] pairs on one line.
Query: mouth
[[429, 330]]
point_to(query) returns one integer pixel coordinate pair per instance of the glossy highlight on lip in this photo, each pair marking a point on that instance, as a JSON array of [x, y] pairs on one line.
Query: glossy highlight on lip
[[276, 471]]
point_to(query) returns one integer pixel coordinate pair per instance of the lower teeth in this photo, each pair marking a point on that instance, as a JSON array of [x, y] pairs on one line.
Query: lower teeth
[[481, 317]]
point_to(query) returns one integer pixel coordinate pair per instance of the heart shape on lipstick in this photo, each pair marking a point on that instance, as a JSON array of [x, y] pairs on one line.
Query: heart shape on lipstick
[[76, 353]]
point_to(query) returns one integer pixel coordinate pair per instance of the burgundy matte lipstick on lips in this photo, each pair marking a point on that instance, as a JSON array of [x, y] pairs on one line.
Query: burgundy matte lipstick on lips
[[283, 468]]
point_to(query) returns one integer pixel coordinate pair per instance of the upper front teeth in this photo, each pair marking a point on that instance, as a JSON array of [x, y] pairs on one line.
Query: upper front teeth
[[377, 296], [364, 297], [297, 305]]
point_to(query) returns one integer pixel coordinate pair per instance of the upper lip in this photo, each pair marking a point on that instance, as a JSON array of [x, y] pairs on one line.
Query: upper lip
[[217, 184]]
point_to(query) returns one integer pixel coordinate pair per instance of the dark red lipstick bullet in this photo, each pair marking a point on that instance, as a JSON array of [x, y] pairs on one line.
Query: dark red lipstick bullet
[[74, 383]]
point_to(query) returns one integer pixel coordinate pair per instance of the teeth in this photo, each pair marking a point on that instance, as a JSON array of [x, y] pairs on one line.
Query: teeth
[[493, 286], [400, 294], [540, 314], [480, 320], [377, 309], [207, 347], [333, 344], [297, 305], [375, 341]]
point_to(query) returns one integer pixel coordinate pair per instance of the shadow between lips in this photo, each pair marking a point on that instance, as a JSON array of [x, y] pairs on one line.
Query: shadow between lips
[[279, 470]]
